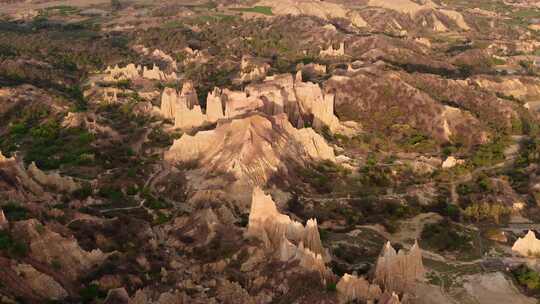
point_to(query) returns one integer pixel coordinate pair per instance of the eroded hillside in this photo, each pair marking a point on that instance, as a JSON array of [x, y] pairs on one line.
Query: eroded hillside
[[284, 151]]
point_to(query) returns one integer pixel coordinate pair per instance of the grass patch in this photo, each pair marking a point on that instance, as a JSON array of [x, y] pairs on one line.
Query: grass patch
[[446, 237], [265, 10]]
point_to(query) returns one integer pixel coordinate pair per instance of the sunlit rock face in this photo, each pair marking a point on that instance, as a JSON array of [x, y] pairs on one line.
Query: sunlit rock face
[[320, 9], [47, 246], [399, 271], [528, 245], [285, 238], [182, 107], [351, 288], [41, 284], [32, 184], [4, 223], [132, 71], [331, 52], [53, 180], [250, 149]]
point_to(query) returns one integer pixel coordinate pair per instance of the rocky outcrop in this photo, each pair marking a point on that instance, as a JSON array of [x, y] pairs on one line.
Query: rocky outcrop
[[41, 284], [252, 69], [375, 101], [320, 9], [53, 179], [157, 54], [451, 162], [156, 74], [280, 234], [331, 52], [426, 9], [313, 101], [132, 71], [17, 184], [49, 247], [214, 106], [278, 96], [303, 102], [389, 298], [523, 88], [117, 296], [351, 288], [183, 108], [400, 271], [4, 223], [238, 103], [528, 245], [250, 149]]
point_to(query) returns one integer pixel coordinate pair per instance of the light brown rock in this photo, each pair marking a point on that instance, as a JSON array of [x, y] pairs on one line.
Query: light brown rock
[[42, 284], [351, 287], [48, 246], [528, 245], [250, 149], [399, 271], [52, 179]]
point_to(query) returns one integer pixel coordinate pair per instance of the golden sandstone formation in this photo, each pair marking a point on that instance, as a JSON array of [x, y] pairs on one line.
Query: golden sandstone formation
[[47, 246], [280, 235], [32, 183], [184, 107], [331, 52], [251, 70], [251, 148], [351, 287], [399, 271], [4, 223], [528, 245], [320, 9], [132, 71], [40, 283], [303, 102], [289, 240]]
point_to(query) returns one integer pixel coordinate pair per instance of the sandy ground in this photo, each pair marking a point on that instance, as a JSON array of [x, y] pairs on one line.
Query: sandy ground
[[494, 288]]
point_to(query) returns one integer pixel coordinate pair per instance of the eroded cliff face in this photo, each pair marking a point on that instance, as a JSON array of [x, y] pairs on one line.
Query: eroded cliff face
[[399, 271], [132, 71], [351, 288], [528, 245], [41, 284], [31, 184], [250, 149], [522, 88], [49, 247], [378, 103], [324, 10], [285, 238]]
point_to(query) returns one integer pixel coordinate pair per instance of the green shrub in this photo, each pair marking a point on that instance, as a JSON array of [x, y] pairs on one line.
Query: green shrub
[[91, 293], [445, 237], [528, 278], [15, 212]]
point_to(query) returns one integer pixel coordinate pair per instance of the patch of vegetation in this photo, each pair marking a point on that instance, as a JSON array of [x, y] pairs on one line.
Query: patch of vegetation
[[91, 293], [15, 212], [490, 154], [447, 237], [14, 248], [528, 278], [265, 10], [485, 211], [323, 176]]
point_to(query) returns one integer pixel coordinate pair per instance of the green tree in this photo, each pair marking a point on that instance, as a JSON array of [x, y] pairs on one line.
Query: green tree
[[116, 5]]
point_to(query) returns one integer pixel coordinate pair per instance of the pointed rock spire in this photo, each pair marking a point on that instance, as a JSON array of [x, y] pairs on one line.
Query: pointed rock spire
[[528, 245], [399, 271], [4, 223]]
